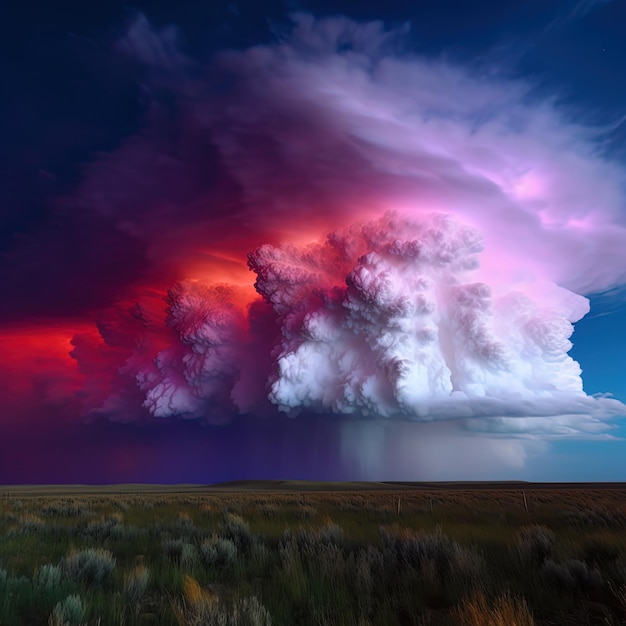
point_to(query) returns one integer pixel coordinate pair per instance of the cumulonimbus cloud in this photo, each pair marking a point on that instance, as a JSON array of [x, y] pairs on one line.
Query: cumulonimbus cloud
[[422, 238]]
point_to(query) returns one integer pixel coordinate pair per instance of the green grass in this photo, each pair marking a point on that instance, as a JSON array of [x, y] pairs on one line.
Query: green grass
[[316, 558]]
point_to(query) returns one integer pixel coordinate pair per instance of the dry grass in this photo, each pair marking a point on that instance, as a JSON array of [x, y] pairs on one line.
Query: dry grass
[[507, 610], [196, 606]]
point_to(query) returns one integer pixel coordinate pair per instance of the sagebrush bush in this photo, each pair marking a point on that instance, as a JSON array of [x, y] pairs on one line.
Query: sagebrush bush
[[327, 561], [435, 555], [330, 533], [572, 574], [100, 530], [182, 551], [69, 612], [30, 524], [188, 555], [310, 541], [49, 576], [594, 517], [600, 553], [173, 547], [260, 556], [219, 552], [235, 528], [64, 509], [93, 566], [177, 528], [249, 612], [535, 544], [8, 518], [363, 570]]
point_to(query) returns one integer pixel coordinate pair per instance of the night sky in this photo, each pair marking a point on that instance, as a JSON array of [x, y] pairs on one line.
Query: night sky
[[313, 240]]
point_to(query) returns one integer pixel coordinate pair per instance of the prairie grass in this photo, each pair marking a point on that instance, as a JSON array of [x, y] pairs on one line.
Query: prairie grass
[[315, 558], [506, 610]]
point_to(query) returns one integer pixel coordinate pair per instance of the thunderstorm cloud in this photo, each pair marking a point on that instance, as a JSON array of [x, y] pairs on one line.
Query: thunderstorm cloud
[[432, 234], [334, 227]]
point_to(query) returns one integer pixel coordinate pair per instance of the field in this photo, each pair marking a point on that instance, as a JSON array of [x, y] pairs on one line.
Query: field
[[291, 553]]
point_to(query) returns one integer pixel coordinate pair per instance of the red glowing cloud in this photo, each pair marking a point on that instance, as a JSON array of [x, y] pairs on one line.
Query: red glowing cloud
[[37, 371]]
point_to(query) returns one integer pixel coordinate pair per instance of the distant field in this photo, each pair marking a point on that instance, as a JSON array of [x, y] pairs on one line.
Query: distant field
[[255, 553], [298, 485]]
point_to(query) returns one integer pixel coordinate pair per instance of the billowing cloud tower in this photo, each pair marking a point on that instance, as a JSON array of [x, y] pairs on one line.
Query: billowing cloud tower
[[391, 319]]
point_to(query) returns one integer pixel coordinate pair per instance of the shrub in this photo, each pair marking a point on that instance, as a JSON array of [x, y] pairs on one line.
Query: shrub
[[600, 553], [65, 509], [90, 567], [584, 576], [435, 555], [558, 574], [572, 574], [181, 550], [30, 524], [594, 517], [3, 577], [260, 556], [235, 528], [327, 561], [48, 576], [295, 584], [330, 533], [219, 552], [535, 544], [188, 555], [363, 570], [310, 541], [250, 612], [102, 529], [121, 532], [71, 611], [372, 558], [173, 547]]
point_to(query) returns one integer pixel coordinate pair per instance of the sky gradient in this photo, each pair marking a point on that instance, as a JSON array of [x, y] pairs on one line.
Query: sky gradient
[[309, 240]]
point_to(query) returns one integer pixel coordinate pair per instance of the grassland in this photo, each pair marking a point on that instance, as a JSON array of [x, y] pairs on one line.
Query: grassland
[[290, 553]]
